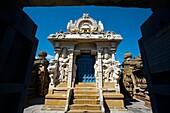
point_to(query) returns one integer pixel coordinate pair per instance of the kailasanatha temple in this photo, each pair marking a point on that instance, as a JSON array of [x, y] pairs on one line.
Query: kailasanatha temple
[[84, 74]]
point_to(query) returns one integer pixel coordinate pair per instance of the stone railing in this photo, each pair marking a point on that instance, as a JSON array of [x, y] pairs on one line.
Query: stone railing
[[101, 100], [69, 94]]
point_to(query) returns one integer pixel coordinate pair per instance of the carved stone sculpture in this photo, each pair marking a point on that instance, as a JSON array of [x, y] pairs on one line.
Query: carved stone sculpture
[[107, 67], [52, 72], [63, 65], [133, 77], [40, 77], [43, 77], [101, 27], [96, 69]]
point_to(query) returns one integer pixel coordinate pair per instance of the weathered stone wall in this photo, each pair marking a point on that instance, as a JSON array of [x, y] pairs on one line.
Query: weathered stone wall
[[134, 81], [40, 80]]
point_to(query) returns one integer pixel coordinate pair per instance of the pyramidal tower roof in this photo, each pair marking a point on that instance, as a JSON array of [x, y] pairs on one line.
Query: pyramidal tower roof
[[85, 24], [85, 28]]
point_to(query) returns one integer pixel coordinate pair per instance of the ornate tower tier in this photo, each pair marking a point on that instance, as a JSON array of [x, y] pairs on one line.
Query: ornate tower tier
[[85, 57]]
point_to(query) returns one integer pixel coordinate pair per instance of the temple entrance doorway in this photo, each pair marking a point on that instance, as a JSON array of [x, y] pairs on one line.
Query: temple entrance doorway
[[85, 68]]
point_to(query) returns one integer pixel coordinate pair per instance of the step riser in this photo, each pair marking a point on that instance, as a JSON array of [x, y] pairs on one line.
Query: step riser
[[86, 102], [85, 85], [85, 88], [86, 97], [84, 112], [89, 93], [85, 108]]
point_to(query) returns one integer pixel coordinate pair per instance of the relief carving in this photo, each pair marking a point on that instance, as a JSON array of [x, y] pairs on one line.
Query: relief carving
[[96, 69], [63, 65], [52, 71], [111, 68], [40, 77], [133, 77]]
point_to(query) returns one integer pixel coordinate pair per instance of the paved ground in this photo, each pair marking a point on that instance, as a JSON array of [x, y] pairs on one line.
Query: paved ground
[[132, 105]]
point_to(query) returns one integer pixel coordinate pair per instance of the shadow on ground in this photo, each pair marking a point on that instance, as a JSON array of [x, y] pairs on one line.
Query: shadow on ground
[[34, 101], [129, 101]]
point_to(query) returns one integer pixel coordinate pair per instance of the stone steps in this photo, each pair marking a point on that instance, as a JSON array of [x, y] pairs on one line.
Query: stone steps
[[86, 96], [85, 111], [86, 92], [85, 85], [86, 101], [85, 107], [85, 88]]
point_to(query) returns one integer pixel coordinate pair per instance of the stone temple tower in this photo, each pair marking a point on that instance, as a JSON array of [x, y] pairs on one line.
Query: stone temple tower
[[84, 74]]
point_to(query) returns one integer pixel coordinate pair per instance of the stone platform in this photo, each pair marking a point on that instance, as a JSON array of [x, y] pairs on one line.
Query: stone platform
[[132, 105]]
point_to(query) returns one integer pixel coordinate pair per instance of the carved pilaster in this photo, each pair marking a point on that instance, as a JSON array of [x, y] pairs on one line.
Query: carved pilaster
[[70, 70], [100, 75], [74, 69]]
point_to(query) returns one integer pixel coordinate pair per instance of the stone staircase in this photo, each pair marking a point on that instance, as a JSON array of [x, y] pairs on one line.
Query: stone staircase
[[85, 99], [56, 98]]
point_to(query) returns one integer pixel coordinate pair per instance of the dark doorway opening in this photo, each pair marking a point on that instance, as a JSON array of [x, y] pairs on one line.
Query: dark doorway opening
[[85, 68]]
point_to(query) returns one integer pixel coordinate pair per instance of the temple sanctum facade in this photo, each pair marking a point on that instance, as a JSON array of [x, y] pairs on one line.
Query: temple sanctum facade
[[84, 74]]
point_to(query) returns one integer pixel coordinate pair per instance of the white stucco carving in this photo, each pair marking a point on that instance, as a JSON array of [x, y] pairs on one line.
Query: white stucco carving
[[88, 36], [107, 63], [101, 27], [85, 25], [96, 69], [52, 72], [63, 65], [111, 68]]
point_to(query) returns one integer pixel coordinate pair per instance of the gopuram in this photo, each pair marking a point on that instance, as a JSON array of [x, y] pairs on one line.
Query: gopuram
[[84, 74], [133, 78]]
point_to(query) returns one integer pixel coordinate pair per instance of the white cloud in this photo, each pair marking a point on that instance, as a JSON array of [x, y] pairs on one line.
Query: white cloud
[[36, 57], [49, 57]]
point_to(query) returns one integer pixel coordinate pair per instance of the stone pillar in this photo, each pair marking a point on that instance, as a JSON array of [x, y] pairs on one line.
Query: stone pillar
[[100, 75], [74, 70], [70, 70]]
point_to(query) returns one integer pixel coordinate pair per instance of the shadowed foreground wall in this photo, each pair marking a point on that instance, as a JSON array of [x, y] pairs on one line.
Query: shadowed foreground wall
[[18, 47], [155, 50]]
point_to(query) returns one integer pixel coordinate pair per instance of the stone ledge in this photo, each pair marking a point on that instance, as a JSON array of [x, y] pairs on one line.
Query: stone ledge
[[112, 96], [52, 108], [60, 89], [58, 96]]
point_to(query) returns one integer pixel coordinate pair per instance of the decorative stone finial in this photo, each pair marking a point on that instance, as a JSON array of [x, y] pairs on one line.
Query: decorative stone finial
[[42, 54], [85, 15], [127, 55], [61, 31]]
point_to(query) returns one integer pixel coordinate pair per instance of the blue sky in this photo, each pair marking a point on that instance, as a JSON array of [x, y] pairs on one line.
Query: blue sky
[[123, 21]]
